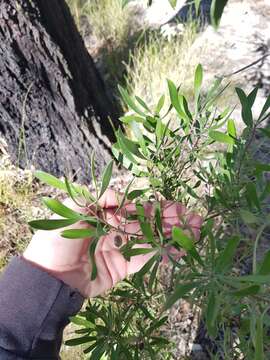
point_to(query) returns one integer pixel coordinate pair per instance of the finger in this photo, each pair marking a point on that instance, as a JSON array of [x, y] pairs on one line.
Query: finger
[[194, 222], [172, 209], [109, 249], [111, 199], [130, 209]]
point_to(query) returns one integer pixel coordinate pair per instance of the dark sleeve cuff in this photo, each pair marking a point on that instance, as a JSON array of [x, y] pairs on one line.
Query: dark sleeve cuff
[[34, 309]]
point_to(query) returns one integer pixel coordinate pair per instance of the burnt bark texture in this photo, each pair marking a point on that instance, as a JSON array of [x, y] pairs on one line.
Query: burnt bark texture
[[54, 106]]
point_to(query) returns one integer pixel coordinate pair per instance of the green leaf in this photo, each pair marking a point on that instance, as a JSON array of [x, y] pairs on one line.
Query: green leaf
[[147, 267], [246, 108], [174, 96], [129, 101], [50, 180], [124, 149], [139, 136], [211, 313], [92, 249], [182, 239], [252, 196], [231, 128], [51, 224], [198, 83], [147, 232], [197, 6], [98, 352], [106, 178], [217, 8], [158, 220], [80, 341], [81, 321], [142, 103], [160, 104], [265, 265], [221, 137], [265, 107], [60, 209], [136, 193], [173, 3], [248, 217], [137, 251], [78, 233], [259, 339], [128, 118], [72, 193], [252, 96], [93, 172], [260, 168], [153, 275], [225, 258], [246, 291], [179, 292], [186, 243], [259, 279]]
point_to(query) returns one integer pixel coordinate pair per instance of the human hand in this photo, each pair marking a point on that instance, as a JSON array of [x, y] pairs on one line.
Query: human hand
[[68, 260]]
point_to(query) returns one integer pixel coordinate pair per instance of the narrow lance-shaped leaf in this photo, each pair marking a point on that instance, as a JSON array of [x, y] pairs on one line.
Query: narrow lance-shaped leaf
[[80, 340], [198, 83], [147, 267], [142, 103], [179, 292], [211, 313], [160, 104], [174, 96], [173, 3], [221, 137], [60, 209], [197, 6], [106, 178], [246, 108], [265, 265], [136, 193], [265, 107], [78, 233], [259, 339], [51, 224], [248, 217], [72, 193], [252, 96], [217, 8], [153, 275], [81, 321], [129, 101], [252, 196], [136, 251], [50, 180], [186, 243], [247, 291], [226, 256], [93, 172], [92, 249]]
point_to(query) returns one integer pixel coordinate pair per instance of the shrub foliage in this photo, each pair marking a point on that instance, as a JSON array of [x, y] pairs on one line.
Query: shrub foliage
[[194, 153]]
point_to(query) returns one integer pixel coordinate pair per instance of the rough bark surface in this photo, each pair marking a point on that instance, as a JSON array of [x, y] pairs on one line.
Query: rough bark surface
[[54, 107]]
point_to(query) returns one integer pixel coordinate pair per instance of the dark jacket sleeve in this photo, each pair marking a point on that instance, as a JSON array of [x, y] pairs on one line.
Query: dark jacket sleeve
[[34, 309]]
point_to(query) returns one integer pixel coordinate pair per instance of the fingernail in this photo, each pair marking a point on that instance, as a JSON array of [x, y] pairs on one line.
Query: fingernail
[[118, 241]]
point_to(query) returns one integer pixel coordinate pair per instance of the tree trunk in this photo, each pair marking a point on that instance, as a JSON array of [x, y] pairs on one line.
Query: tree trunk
[[54, 106]]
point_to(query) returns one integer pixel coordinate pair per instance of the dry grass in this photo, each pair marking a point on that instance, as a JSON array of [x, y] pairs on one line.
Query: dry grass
[[16, 208], [158, 59]]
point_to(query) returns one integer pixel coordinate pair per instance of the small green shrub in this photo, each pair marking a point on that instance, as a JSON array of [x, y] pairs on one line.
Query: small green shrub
[[206, 163]]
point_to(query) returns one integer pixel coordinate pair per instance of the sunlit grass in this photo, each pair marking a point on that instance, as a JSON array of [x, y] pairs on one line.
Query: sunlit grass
[[158, 59]]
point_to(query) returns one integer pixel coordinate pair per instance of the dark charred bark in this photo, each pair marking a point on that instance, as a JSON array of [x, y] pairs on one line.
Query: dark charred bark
[[54, 107]]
